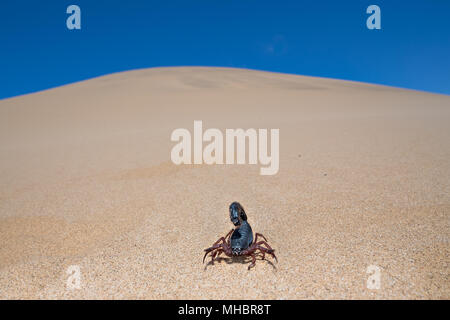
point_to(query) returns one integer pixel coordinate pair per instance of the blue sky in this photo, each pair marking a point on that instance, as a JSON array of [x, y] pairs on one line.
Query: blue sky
[[317, 38]]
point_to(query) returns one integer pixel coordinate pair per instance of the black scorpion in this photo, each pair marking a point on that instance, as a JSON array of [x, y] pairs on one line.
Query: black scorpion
[[239, 241]]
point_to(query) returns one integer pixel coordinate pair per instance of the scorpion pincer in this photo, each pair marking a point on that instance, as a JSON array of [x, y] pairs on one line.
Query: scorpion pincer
[[239, 241]]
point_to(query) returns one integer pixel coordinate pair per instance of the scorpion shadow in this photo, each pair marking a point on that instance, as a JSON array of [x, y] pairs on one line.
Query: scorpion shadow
[[237, 259]]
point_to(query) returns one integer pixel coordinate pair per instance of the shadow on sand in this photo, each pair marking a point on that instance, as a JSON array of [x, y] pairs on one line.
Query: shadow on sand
[[239, 259]]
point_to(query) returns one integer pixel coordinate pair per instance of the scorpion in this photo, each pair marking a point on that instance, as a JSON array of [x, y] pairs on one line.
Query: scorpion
[[239, 241]]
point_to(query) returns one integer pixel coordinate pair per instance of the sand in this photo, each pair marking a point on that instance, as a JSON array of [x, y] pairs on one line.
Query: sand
[[86, 179]]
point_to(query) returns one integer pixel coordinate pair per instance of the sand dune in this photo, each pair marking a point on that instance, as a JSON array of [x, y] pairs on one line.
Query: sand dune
[[86, 179]]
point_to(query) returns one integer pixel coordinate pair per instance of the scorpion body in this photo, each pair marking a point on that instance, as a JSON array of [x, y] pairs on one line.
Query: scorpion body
[[239, 241], [241, 238]]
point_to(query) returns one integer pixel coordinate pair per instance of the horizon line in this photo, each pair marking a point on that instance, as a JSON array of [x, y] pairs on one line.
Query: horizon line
[[222, 67]]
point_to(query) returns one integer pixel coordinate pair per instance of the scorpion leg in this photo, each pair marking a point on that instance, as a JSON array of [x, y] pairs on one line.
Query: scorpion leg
[[259, 235], [215, 255], [211, 249], [229, 236], [266, 250], [262, 242], [263, 255], [216, 244], [216, 252], [218, 249], [251, 252], [265, 243], [218, 241], [224, 239], [253, 261]]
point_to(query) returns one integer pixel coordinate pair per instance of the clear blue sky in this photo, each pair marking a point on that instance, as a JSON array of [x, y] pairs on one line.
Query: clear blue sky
[[327, 38]]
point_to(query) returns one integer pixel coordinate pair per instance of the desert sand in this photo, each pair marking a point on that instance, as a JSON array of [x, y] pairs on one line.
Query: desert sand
[[86, 179]]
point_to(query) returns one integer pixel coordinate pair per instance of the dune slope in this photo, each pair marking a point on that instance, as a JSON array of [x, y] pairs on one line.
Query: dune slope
[[86, 179]]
